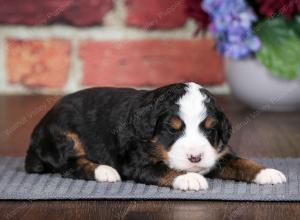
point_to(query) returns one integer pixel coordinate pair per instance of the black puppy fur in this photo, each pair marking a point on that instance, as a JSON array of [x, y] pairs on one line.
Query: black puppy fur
[[128, 130]]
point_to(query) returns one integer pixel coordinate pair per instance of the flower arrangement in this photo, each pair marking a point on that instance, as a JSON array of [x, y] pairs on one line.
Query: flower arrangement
[[266, 29]]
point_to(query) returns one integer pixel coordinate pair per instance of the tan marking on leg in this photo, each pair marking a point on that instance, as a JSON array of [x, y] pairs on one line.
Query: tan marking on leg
[[240, 169], [87, 165], [82, 162], [168, 178], [78, 146]]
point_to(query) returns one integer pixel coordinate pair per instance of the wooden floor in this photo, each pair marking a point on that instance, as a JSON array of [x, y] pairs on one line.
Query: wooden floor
[[256, 134]]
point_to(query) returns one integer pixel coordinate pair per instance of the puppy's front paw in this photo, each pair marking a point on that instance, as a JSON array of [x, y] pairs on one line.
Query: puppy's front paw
[[270, 176], [190, 181], [105, 173]]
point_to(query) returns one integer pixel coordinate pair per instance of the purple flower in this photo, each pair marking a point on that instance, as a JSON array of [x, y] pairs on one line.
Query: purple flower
[[231, 26]]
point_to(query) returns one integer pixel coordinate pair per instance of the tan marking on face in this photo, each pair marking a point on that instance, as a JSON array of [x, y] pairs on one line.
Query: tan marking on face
[[159, 153], [78, 146], [176, 123], [210, 122], [168, 178]]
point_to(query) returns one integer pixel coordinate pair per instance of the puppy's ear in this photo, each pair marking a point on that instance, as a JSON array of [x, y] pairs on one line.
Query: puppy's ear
[[144, 121], [151, 106], [145, 116], [209, 97], [225, 129]]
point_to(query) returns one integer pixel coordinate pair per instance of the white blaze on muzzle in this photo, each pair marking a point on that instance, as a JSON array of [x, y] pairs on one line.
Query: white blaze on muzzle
[[192, 151]]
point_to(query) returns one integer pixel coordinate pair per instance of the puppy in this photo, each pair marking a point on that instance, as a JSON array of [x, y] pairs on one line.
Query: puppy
[[173, 136]]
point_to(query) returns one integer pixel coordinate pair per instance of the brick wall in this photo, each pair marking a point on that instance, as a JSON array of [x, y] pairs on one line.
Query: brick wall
[[67, 45]]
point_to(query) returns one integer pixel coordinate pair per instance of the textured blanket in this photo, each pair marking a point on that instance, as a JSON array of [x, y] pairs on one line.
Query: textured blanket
[[16, 184]]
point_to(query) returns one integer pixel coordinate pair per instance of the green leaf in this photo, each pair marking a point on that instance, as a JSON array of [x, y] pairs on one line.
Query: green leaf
[[295, 25], [280, 50]]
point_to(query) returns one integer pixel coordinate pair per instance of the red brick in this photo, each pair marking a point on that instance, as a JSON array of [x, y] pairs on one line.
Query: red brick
[[150, 62], [87, 12], [37, 12], [38, 63], [31, 12], [156, 13]]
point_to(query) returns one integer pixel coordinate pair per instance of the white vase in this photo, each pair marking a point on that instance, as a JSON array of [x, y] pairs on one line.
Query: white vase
[[254, 85]]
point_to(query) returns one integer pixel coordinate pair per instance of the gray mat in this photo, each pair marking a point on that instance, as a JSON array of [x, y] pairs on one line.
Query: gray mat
[[15, 184]]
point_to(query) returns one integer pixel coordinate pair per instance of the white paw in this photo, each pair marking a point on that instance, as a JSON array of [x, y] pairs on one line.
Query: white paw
[[190, 181], [105, 173], [270, 176]]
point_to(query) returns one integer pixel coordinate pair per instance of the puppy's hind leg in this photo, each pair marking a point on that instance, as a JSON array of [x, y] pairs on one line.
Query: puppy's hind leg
[[81, 167], [33, 164]]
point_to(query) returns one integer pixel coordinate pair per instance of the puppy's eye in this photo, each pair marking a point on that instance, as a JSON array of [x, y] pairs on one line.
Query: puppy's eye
[[210, 131], [172, 130], [175, 125]]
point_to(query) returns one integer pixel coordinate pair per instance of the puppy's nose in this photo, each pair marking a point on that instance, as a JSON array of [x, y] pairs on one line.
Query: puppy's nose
[[195, 158]]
